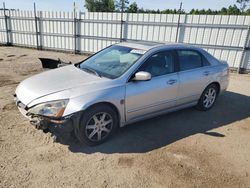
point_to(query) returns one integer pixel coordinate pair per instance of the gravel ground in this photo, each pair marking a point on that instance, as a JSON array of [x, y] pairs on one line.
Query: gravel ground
[[188, 148]]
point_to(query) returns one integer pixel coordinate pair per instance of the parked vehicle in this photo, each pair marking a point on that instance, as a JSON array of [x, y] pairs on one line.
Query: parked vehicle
[[120, 85]]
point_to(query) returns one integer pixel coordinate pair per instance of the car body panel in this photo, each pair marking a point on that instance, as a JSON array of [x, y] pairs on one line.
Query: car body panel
[[53, 81], [192, 84], [147, 97]]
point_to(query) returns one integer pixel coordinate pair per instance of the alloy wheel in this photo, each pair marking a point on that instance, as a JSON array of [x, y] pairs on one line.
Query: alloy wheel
[[209, 97], [99, 126]]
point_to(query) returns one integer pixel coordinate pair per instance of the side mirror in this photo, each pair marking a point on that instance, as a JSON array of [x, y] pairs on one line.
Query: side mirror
[[142, 76]]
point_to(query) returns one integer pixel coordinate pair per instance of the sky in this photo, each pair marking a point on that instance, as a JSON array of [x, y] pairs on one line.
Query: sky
[[67, 5]]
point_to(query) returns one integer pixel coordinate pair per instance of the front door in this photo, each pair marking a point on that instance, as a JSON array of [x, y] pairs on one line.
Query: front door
[[146, 97]]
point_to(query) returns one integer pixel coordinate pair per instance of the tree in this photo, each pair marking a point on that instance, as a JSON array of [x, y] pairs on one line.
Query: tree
[[133, 8], [243, 4], [91, 5], [141, 10], [223, 11], [192, 11], [209, 11], [100, 5], [108, 6], [233, 10], [118, 5], [121, 4], [247, 12]]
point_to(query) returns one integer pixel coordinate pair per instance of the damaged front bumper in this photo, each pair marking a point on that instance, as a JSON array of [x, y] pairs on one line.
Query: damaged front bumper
[[61, 128]]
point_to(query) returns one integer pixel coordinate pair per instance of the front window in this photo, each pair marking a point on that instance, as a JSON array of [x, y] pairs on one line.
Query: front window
[[112, 62], [159, 64]]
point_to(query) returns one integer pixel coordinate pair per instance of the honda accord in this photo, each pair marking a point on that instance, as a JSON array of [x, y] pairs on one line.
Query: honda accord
[[119, 85]]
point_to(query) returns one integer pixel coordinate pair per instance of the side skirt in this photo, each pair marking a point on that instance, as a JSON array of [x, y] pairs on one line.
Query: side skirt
[[148, 116]]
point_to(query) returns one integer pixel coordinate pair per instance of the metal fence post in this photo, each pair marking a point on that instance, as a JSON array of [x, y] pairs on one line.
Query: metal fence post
[[122, 21], [178, 24], [36, 26], [242, 58], [125, 28], [76, 31], [40, 29], [77, 34], [10, 29], [75, 49], [7, 26], [182, 28]]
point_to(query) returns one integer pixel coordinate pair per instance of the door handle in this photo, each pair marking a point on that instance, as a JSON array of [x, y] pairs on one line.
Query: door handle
[[206, 73], [171, 81]]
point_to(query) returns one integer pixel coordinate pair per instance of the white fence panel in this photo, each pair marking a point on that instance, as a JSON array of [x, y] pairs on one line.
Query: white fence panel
[[98, 30], [23, 28], [226, 37], [57, 30], [2, 28]]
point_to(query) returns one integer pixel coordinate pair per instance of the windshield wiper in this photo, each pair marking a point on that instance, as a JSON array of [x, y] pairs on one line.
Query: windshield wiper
[[89, 70]]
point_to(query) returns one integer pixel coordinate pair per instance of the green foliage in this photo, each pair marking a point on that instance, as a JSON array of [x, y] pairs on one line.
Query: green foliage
[[117, 5], [133, 8], [247, 12], [121, 4], [100, 5], [231, 10]]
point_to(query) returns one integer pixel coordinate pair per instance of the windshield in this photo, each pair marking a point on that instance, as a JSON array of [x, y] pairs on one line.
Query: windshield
[[112, 62]]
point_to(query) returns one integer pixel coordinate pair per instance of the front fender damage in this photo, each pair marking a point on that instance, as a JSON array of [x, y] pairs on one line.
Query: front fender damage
[[63, 130]]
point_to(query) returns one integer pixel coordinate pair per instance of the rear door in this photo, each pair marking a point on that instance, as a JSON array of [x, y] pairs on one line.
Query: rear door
[[146, 97], [194, 74]]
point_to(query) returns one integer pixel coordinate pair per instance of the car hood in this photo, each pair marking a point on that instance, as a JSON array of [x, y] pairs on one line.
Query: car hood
[[54, 81]]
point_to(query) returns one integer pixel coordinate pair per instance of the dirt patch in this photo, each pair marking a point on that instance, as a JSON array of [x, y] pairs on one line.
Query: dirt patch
[[7, 82], [30, 72], [10, 55], [125, 161], [10, 106], [24, 55]]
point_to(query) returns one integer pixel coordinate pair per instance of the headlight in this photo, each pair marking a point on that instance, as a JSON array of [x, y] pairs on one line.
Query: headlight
[[52, 109]]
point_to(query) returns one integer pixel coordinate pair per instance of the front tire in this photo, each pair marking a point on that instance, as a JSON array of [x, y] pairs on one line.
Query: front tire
[[208, 98], [97, 124]]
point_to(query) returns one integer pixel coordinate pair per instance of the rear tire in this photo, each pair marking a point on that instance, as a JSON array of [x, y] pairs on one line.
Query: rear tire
[[97, 124], [208, 98]]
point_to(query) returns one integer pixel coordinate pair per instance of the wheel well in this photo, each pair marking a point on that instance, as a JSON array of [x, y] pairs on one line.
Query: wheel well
[[217, 85], [110, 105]]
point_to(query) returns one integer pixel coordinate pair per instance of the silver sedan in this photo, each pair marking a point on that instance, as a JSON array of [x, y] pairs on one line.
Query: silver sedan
[[122, 84]]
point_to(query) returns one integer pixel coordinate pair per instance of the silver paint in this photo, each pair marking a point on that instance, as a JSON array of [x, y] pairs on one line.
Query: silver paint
[[143, 99]]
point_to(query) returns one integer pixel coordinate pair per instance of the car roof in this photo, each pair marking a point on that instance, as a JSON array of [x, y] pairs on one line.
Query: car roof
[[147, 45]]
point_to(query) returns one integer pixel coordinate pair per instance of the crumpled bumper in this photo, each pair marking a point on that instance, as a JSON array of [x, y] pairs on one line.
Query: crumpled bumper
[[61, 128]]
